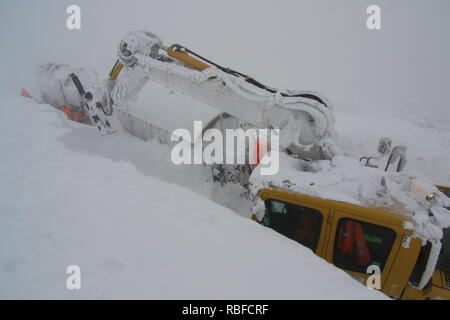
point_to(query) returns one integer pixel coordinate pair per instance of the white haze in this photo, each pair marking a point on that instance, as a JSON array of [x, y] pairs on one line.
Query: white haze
[[322, 45]]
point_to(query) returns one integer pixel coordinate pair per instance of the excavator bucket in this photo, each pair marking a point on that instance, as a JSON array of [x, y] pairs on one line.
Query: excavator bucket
[[79, 93]]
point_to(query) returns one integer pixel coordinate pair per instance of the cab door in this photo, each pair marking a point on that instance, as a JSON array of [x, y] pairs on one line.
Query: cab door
[[358, 241]]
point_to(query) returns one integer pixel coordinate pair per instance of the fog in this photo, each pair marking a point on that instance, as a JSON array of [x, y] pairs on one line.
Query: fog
[[320, 45]]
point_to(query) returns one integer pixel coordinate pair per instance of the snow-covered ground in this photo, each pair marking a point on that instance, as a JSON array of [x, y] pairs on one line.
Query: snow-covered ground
[[427, 140], [141, 227], [67, 198]]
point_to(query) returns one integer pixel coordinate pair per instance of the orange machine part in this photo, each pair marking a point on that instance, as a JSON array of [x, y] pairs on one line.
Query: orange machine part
[[187, 59]]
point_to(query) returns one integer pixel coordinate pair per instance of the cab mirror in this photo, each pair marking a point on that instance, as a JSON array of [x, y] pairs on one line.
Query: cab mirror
[[398, 153]]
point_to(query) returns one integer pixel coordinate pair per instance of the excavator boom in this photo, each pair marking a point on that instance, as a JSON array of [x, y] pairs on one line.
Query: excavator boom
[[305, 120]]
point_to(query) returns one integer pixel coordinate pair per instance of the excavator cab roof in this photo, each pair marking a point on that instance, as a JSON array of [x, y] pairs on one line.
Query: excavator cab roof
[[346, 180]]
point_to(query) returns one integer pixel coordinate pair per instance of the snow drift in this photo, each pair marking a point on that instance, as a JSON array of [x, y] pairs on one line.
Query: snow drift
[[132, 235]]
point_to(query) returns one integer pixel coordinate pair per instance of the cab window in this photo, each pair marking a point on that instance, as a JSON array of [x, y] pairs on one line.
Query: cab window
[[359, 245], [296, 222], [421, 264]]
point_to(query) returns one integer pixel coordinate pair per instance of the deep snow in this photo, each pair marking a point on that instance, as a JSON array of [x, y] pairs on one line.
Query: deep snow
[[402, 67], [67, 199]]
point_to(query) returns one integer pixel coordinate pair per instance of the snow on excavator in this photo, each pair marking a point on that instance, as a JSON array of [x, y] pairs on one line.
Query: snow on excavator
[[352, 213]]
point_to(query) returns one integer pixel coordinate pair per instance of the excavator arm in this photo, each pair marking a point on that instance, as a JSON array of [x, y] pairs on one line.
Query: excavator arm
[[305, 119]]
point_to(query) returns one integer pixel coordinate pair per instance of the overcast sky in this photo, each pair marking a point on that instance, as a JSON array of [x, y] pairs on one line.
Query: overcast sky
[[320, 45]]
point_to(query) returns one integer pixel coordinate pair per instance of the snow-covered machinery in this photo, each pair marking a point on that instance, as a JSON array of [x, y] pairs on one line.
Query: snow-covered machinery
[[400, 217], [305, 119]]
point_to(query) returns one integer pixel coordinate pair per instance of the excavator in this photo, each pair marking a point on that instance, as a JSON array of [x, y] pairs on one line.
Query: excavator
[[389, 229]]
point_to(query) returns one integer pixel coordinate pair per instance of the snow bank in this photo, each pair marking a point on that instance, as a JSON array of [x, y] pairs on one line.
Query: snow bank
[[132, 235]]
